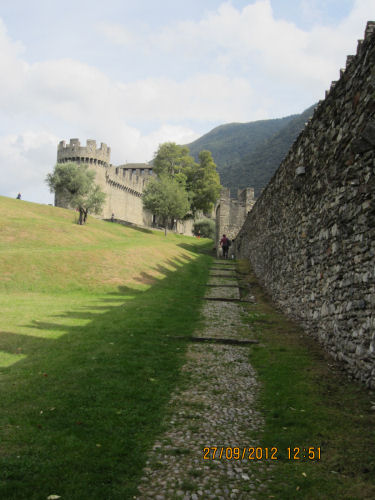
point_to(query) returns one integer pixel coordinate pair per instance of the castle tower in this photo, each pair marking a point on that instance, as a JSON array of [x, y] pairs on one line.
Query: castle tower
[[231, 212], [123, 185], [97, 159], [83, 154]]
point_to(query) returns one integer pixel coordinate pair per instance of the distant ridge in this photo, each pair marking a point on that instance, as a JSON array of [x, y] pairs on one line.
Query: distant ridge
[[248, 154]]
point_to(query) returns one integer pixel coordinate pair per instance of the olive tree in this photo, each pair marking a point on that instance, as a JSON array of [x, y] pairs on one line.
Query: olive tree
[[76, 185]]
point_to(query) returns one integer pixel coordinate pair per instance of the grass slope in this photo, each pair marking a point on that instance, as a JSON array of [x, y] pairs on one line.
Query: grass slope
[[86, 360]]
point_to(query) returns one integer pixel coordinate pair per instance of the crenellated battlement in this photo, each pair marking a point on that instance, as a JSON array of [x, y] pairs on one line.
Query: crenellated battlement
[[346, 75], [128, 175], [89, 153], [370, 29], [351, 59], [129, 178]]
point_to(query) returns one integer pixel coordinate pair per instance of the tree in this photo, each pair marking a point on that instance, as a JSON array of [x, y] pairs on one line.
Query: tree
[[201, 180], [75, 184], [205, 228], [172, 159], [164, 196], [204, 183]]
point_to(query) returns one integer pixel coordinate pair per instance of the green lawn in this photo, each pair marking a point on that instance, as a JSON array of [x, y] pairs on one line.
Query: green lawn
[[307, 401], [86, 363]]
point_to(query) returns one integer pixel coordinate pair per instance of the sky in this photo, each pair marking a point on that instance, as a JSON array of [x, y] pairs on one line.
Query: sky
[[135, 74]]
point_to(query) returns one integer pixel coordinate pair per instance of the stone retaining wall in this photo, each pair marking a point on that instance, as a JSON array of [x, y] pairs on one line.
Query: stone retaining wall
[[311, 235]]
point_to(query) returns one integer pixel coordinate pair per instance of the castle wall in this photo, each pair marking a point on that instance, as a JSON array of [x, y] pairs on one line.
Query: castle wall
[[122, 185], [124, 196], [231, 213], [311, 235]]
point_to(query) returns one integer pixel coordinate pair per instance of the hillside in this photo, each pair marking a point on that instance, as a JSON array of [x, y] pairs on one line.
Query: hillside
[[231, 142], [87, 364], [248, 154]]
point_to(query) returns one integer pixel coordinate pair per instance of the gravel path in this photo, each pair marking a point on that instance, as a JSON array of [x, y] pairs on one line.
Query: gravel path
[[215, 408]]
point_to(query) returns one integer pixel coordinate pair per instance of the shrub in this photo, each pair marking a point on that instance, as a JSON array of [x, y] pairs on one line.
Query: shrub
[[204, 227]]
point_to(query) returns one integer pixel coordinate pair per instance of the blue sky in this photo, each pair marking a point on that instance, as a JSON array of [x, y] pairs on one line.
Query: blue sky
[[136, 74]]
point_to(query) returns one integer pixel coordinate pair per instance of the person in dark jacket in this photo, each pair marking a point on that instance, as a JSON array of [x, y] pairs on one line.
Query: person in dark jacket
[[224, 243]]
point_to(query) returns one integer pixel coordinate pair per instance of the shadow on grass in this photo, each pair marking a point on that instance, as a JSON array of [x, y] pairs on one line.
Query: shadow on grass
[[80, 412], [129, 224], [207, 249]]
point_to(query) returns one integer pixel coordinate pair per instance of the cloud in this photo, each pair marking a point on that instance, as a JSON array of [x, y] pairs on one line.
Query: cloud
[[74, 99], [231, 65], [129, 144], [150, 142], [12, 69], [252, 41], [116, 33], [73, 91], [201, 97], [25, 160]]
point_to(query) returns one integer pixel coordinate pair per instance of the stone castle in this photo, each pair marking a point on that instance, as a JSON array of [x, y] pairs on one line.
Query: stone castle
[[124, 184]]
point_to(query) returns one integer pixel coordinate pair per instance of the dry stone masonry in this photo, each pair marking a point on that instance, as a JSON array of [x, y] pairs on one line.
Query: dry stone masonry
[[311, 235]]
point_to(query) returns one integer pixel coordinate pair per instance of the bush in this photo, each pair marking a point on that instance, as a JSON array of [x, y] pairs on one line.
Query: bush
[[204, 227]]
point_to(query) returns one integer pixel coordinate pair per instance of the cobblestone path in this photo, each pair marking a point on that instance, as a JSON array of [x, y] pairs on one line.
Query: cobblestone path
[[215, 408]]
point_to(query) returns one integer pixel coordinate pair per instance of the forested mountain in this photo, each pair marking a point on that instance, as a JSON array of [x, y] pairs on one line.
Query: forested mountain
[[248, 154]]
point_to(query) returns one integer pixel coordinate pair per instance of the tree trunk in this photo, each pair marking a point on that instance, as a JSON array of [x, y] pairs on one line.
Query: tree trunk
[[80, 220]]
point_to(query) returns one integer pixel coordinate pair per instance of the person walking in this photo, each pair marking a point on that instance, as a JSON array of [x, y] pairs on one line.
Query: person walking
[[224, 243]]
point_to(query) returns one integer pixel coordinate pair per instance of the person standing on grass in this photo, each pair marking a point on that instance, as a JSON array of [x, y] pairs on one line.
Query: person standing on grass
[[224, 243], [18, 196]]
